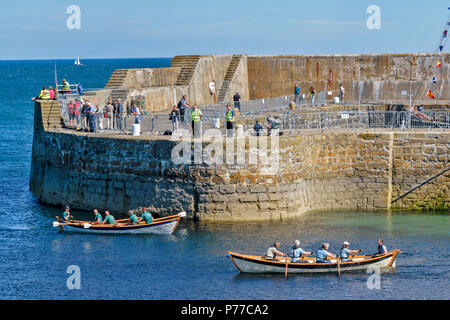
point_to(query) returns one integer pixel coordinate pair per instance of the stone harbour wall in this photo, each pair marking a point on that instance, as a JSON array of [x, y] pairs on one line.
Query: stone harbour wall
[[316, 170]]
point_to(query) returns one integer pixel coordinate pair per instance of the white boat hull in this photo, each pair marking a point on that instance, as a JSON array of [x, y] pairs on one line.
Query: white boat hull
[[164, 228], [249, 264]]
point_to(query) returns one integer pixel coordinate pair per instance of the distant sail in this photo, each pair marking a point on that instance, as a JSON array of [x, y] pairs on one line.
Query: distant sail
[[77, 61]]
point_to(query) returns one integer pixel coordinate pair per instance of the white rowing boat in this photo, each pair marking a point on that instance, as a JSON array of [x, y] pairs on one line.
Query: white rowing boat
[[256, 264]]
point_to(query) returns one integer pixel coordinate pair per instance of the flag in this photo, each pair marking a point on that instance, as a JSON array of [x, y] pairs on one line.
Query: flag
[[434, 79], [430, 94], [439, 64]]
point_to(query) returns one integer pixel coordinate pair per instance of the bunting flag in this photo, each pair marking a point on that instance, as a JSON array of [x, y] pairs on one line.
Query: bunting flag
[[434, 79], [430, 94], [439, 64]]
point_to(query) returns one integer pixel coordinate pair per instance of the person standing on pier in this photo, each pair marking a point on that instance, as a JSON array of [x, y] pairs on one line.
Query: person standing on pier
[[109, 115], [196, 117], [229, 118], [312, 94], [341, 93], [119, 114], [175, 118], [92, 118], [297, 93], [182, 105], [237, 101]]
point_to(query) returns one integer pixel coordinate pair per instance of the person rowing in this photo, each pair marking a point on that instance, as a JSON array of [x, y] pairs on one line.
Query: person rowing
[[97, 217], [66, 214], [273, 251], [322, 254], [297, 252], [109, 219], [345, 251], [146, 216], [133, 219]]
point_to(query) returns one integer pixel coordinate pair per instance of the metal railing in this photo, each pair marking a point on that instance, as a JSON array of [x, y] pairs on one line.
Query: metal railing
[[285, 121]]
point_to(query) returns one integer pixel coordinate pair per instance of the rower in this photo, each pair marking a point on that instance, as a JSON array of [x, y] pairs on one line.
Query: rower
[[109, 219], [297, 252], [97, 217], [146, 216], [323, 254], [345, 251], [381, 247], [133, 218], [273, 251], [66, 214]]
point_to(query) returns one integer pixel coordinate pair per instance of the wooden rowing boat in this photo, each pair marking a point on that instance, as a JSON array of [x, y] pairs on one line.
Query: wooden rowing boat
[[165, 225], [258, 264]]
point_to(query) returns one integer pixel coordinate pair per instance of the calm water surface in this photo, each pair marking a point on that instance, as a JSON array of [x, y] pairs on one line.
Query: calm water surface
[[191, 263]]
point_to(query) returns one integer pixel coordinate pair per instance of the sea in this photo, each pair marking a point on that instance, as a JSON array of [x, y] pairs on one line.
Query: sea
[[38, 261]]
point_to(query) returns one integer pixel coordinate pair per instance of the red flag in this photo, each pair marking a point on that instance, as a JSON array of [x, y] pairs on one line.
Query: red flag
[[430, 94], [439, 64]]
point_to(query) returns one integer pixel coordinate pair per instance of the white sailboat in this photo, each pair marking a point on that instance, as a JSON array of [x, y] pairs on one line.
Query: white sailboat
[[77, 61]]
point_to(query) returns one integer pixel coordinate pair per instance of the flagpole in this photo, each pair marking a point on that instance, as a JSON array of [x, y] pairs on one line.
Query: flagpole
[[56, 81]]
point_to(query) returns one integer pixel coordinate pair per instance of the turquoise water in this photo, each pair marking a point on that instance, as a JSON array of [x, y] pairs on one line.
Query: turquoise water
[[191, 263]]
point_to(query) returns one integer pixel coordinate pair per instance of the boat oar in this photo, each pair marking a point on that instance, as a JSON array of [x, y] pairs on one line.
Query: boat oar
[[339, 267], [285, 273]]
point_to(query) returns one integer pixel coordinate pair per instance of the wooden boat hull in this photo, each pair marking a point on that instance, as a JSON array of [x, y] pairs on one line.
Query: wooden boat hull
[[257, 264], [159, 226]]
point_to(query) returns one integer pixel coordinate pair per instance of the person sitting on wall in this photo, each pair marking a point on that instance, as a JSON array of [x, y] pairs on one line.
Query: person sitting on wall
[[97, 217], [273, 251], [109, 219], [417, 112], [65, 86], [323, 254], [146, 217], [43, 95]]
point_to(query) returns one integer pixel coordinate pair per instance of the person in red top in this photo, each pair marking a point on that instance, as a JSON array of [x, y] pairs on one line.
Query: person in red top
[[52, 93], [71, 107]]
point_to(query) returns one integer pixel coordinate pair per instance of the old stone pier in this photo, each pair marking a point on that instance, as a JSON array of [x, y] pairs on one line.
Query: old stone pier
[[355, 169]]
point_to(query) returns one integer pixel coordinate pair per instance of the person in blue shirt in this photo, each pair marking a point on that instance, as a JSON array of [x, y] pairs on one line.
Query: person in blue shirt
[[97, 217], [322, 254], [182, 105], [66, 214], [146, 217], [258, 128], [346, 252], [297, 252], [297, 93], [133, 218], [381, 247]]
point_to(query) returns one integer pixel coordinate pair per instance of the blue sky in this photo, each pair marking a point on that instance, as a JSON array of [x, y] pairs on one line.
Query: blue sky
[[138, 28]]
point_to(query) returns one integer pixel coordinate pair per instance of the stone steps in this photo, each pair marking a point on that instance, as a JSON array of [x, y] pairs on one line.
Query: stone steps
[[229, 75], [117, 79], [188, 64]]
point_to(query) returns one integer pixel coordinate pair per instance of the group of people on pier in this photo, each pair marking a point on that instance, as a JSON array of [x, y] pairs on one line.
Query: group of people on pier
[[133, 218], [322, 254]]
